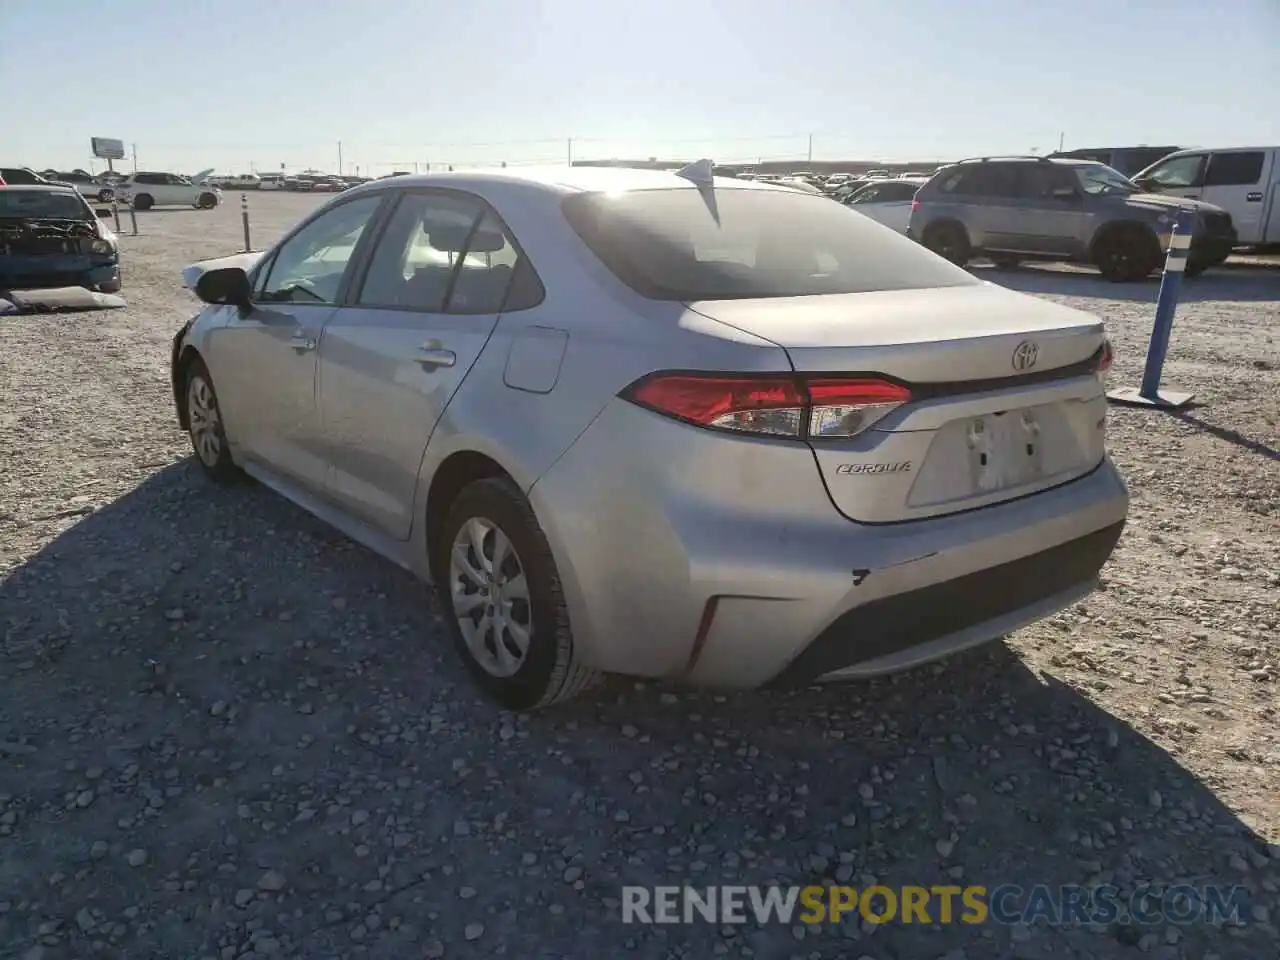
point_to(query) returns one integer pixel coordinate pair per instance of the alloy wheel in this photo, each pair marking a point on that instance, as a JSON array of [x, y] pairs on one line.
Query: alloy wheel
[[202, 415], [490, 597]]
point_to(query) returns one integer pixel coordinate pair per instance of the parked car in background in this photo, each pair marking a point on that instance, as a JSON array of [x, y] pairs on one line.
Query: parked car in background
[[241, 181], [147, 189], [1244, 181], [21, 176], [888, 201], [271, 181], [570, 400], [1036, 208], [1125, 160], [88, 185], [51, 237]]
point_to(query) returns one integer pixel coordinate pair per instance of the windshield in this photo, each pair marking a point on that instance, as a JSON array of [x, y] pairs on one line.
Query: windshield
[[682, 244], [1099, 181], [42, 204]]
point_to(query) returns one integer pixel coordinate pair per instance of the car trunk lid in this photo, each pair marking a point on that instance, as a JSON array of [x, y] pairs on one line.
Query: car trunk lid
[[1005, 396]]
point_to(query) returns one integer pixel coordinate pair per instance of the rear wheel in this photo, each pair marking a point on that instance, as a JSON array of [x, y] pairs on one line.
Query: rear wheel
[[498, 581], [112, 287], [206, 201], [1005, 261], [949, 240], [104, 196], [1126, 254], [143, 201], [1195, 269]]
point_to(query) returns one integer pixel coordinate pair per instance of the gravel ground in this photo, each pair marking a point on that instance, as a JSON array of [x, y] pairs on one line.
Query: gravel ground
[[226, 731]]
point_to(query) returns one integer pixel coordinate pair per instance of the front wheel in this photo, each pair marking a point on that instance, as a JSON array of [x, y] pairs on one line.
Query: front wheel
[[143, 201], [1125, 255], [205, 426], [498, 583], [104, 196], [206, 201]]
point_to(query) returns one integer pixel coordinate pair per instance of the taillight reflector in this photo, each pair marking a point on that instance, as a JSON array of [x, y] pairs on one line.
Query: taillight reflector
[[915, 205], [1108, 356], [785, 406]]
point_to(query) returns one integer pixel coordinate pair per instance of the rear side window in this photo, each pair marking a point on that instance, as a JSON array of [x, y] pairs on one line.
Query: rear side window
[[691, 244], [981, 180], [1234, 169]]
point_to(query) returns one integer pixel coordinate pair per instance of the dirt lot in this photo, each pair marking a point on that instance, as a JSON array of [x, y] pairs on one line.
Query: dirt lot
[[225, 731]]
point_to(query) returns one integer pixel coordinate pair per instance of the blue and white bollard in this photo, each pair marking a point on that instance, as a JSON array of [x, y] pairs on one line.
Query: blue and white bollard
[[1149, 393]]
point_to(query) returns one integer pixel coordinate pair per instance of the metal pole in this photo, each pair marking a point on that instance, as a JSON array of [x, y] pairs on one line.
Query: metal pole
[[115, 211], [811, 148], [570, 151], [244, 219], [133, 218], [1149, 394], [339, 158], [1167, 304]]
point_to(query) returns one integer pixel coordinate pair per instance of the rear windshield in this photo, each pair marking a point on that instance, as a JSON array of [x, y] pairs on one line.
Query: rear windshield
[[49, 204], [735, 244]]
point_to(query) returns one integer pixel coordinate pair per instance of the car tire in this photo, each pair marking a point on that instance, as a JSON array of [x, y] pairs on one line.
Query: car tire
[[206, 201], [105, 196], [205, 425], [1005, 261], [485, 515], [143, 201], [1126, 254], [950, 241], [112, 287], [1193, 270]]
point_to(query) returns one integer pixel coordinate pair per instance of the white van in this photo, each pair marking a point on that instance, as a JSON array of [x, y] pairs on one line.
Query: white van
[[1244, 181]]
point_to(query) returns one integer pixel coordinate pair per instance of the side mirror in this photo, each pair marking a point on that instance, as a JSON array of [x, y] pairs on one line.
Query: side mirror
[[227, 286], [102, 214], [1144, 183], [1065, 193]]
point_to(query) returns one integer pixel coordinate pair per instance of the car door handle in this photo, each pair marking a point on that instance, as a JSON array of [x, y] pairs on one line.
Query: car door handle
[[301, 342], [431, 354]]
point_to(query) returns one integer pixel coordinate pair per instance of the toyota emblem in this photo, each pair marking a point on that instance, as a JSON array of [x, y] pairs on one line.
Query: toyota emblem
[[1025, 354]]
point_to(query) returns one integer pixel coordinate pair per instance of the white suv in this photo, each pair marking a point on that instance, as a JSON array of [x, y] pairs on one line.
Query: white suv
[[146, 190]]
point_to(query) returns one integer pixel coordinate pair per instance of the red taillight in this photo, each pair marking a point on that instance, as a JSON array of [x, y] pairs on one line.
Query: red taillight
[[783, 406], [915, 205], [1108, 355]]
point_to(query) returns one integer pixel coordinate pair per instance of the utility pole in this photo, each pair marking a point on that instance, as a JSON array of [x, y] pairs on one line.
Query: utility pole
[[811, 148], [339, 158], [570, 146], [1061, 137], [135, 157]]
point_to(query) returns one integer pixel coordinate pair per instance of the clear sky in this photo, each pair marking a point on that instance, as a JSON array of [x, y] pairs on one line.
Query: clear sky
[[230, 83]]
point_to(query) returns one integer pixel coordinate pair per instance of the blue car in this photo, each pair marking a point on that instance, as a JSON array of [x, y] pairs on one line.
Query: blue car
[[50, 237]]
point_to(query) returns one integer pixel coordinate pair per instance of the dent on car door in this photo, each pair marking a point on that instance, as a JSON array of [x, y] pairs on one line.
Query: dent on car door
[[393, 358], [266, 361]]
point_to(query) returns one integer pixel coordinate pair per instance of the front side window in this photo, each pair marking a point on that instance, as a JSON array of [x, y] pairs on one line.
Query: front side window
[[309, 266], [1179, 172], [1242, 169], [442, 252], [681, 244]]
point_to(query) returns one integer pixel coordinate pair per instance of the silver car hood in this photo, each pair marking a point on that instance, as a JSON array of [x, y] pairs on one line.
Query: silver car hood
[[1160, 201]]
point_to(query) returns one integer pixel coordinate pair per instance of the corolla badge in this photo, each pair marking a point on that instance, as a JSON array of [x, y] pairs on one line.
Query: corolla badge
[[1025, 355]]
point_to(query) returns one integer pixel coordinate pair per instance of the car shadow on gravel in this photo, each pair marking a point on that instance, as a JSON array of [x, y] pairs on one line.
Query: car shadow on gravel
[[1237, 285], [208, 697]]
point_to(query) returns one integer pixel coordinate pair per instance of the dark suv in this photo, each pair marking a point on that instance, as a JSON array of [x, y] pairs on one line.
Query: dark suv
[[1037, 208]]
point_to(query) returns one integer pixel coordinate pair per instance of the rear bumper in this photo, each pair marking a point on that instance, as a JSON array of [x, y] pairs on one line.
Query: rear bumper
[[722, 561]]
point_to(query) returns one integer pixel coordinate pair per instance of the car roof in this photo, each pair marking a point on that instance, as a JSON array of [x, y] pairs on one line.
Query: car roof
[[563, 180], [40, 188]]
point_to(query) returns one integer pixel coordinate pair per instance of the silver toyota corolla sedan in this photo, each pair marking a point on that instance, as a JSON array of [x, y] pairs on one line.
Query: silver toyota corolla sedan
[[661, 424]]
